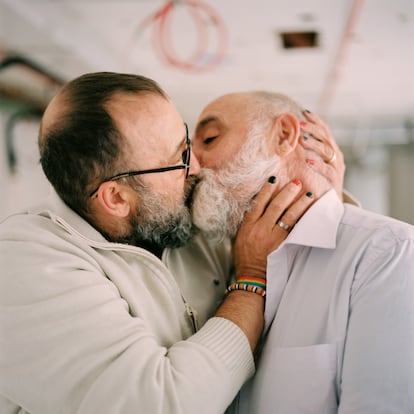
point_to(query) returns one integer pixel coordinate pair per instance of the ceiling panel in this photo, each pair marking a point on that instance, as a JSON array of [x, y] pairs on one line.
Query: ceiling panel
[[362, 71]]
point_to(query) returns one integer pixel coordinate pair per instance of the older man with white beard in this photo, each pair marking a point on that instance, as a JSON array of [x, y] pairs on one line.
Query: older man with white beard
[[340, 289]]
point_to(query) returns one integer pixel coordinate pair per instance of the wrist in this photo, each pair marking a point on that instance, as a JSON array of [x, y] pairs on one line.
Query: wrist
[[251, 271]]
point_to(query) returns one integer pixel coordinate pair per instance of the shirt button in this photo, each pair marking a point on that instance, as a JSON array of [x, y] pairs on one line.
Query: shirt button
[[216, 282]]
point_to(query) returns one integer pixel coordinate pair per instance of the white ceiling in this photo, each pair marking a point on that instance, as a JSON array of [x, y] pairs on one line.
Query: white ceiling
[[361, 74]]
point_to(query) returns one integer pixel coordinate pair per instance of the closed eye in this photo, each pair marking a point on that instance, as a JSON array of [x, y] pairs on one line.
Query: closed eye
[[209, 140]]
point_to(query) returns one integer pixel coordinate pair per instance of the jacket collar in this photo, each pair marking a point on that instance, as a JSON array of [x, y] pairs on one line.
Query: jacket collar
[[61, 214]]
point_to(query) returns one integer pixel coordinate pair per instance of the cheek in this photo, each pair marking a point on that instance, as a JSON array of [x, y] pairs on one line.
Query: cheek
[[201, 155], [170, 185], [214, 158]]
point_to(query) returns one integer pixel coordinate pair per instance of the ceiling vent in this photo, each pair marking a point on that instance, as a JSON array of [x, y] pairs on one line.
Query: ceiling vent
[[296, 40]]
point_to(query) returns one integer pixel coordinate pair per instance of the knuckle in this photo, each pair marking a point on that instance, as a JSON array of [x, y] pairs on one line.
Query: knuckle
[[311, 129], [263, 195], [293, 188], [290, 216], [253, 205], [277, 206], [327, 151]]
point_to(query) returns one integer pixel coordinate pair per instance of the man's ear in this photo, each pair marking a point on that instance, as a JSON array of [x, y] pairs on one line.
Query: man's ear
[[114, 199], [285, 133]]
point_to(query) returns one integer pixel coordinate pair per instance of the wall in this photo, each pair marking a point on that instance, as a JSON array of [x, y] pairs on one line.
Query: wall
[[27, 184], [401, 182], [381, 179]]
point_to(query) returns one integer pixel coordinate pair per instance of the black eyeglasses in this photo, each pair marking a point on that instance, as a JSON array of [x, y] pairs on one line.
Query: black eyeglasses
[[186, 164]]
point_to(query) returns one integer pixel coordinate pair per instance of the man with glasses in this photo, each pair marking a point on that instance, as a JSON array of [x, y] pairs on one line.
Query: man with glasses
[[91, 318]]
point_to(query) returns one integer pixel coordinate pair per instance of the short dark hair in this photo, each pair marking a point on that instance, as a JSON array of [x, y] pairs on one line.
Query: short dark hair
[[83, 146]]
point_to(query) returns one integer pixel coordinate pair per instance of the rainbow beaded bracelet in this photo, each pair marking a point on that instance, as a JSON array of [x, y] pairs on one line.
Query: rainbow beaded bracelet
[[246, 287]]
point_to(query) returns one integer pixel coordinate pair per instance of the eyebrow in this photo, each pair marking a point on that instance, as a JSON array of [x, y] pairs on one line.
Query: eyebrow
[[205, 122]]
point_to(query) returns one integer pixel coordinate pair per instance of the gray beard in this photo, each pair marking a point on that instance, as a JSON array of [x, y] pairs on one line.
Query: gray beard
[[221, 198], [161, 223]]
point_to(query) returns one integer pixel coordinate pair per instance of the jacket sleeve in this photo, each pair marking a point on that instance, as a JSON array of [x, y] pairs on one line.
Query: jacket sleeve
[[70, 345]]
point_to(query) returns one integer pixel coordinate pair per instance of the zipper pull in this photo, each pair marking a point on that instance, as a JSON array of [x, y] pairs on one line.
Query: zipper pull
[[192, 313]]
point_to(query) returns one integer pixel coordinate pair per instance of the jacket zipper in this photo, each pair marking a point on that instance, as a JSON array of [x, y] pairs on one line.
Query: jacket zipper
[[192, 313]]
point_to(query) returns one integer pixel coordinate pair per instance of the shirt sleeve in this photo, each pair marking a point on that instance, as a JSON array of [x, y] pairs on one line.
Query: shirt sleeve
[[378, 365]]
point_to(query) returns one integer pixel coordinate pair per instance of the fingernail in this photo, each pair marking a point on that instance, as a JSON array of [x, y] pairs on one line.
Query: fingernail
[[310, 161], [305, 137], [272, 179], [307, 111], [309, 194], [303, 123], [296, 182]]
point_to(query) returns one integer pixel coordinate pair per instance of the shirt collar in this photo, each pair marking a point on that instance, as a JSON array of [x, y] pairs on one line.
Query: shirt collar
[[319, 225]]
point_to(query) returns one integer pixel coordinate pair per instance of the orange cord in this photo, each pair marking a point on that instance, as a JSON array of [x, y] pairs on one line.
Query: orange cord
[[162, 35]]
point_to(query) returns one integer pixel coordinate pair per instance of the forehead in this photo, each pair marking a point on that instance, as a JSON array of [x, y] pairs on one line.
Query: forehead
[[132, 110], [150, 122], [221, 130], [229, 107], [55, 111], [226, 116], [151, 125]]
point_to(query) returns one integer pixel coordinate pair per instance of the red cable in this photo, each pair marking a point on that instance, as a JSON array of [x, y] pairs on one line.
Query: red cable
[[167, 49], [161, 20]]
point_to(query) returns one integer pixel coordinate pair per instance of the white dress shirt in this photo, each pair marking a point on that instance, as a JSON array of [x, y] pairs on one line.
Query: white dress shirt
[[339, 317]]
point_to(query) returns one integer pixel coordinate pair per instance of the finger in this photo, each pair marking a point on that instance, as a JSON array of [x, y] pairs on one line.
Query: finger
[[317, 132], [329, 171], [318, 129], [332, 172], [294, 212], [280, 203], [261, 200], [313, 117], [323, 149], [315, 121]]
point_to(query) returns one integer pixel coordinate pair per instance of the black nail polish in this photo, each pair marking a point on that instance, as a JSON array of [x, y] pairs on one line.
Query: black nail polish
[[307, 111], [305, 137], [309, 194], [272, 179]]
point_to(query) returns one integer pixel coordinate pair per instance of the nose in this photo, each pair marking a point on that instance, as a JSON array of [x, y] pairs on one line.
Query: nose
[[194, 165], [197, 153]]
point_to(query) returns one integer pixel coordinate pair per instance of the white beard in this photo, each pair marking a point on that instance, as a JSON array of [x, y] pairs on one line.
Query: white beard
[[221, 198]]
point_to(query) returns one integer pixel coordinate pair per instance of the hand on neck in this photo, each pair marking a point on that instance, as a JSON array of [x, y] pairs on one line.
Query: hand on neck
[[297, 168]]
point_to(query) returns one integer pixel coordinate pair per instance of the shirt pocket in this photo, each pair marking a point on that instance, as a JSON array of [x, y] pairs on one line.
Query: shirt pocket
[[299, 380]]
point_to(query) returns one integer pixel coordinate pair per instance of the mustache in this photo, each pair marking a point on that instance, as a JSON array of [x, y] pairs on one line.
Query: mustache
[[206, 176], [192, 183]]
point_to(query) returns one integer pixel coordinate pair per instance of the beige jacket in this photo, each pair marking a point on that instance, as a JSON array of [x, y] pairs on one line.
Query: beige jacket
[[92, 327]]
